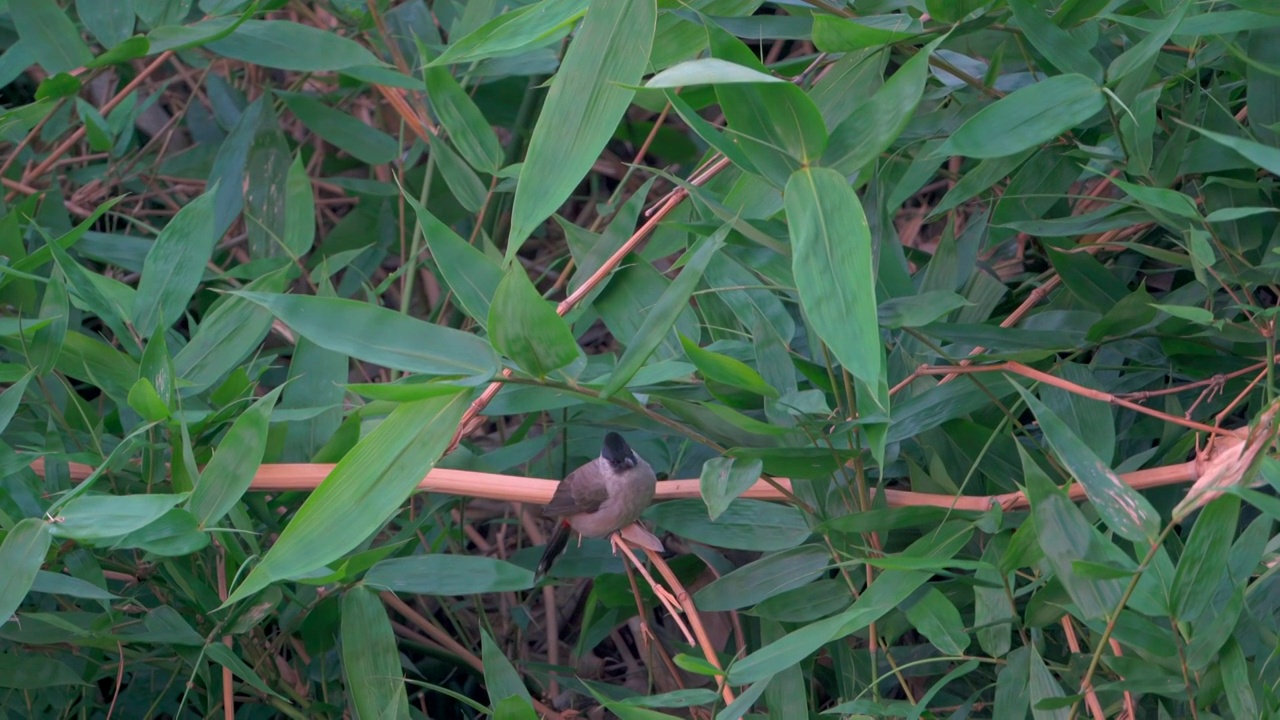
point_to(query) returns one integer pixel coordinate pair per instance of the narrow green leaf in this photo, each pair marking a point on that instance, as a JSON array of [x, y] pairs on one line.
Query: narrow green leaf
[[836, 34], [708, 71], [383, 336], [831, 259], [344, 131], [918, 310], [441, 574], [228, 334], [144, 399], [1144, 52], [370, 659], [1026, 118], [1066, 536], [110, 22], [873, 125], [299, 210], [525, 327], [470, 274], [174, 266], [1154, 198], [777, 126], [1124, 509], [1043, 686], [49, 36], [657, 324], [1066, 53], [288, 45], [514, 32], [937, 618], [724, 479], [764, 578], [96, 517], [501, 678], [744, 525], [466, 125], [58, 584], [11, 398], [1264, 156], [230, 471], [587, 98], [1203, 564], [223, 655], [883, 596], [726, 370], [365, 488], [21, 555]]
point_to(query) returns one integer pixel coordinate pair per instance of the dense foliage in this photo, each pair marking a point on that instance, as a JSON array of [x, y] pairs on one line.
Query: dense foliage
[[966, 293]]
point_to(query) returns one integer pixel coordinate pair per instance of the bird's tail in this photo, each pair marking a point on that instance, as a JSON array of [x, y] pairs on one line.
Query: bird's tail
[[555, 546]]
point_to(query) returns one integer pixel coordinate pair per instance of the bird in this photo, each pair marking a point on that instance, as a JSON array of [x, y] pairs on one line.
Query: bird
[[599, 498]]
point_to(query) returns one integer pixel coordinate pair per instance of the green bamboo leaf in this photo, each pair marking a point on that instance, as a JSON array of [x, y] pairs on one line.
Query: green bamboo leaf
[[708, 71], [764, 578], [937, 618], [515, 32], [370, 659], [501, 679], [1154, 198], [1264, 156], [777, 125], [92, 517], [174, 265], [658, 322], [1203, 564], [723, 479], [458, 176], [1124, 509], [918, 310], [1066, 53], [1043, 686], [291, 46], [49, 36], [587, 98], [299, 210], [21, 555], [1066, 536], [59, 584], [1026, 118], [378, 335], [726, 370], [230, 471], [441, 574], [744, 525], [873, 125], [111, 22], [836, 34], [884, 595], [525, 327], [470, 274], [466, 125], [229, 333], [365, 488], [831, 259], [1143, 53], [345, 132]]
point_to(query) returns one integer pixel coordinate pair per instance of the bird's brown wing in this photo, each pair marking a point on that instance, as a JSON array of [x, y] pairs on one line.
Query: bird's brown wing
[[577, 493]]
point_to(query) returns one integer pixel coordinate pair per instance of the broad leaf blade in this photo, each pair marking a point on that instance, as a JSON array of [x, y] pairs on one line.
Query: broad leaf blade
[[831, 259], [587, 98]]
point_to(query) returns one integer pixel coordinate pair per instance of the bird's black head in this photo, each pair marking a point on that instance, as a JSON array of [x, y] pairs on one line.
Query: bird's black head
[[618, 453]]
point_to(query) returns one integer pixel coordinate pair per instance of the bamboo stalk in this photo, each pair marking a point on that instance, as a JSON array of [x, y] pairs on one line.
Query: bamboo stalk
[[302, 477]]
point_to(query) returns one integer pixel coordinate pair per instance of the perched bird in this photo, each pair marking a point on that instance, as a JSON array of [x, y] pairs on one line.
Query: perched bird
[[599, 498]]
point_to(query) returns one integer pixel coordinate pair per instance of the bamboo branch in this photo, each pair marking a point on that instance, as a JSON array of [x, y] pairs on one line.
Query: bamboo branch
[[301, 477]]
